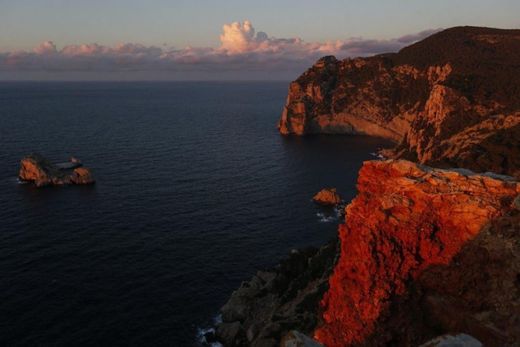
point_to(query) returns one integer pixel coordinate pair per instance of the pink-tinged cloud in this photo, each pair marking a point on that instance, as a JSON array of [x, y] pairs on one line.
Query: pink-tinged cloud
[[241, 48], [46, 47]]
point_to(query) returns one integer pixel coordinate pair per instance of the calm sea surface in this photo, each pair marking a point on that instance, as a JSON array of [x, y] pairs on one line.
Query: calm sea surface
[[195, 192]]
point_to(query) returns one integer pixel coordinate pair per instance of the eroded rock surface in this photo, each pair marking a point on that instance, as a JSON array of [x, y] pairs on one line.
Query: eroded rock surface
[[451, 100], [264, 309], [34, 168], [404, 234], [327, 197], [81, 175]]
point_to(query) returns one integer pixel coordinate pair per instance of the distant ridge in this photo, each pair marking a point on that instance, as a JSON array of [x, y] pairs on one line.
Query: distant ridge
[[452, 99]]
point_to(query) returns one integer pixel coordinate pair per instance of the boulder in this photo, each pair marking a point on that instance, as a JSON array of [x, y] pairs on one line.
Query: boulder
[[461, 340], [82, 175], [327, 197]]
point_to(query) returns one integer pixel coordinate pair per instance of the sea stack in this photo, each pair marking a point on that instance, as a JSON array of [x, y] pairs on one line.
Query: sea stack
[[41, 172], [327, 197]]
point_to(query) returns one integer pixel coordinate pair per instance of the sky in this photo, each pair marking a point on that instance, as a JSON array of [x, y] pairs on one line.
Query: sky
[[207, 40]]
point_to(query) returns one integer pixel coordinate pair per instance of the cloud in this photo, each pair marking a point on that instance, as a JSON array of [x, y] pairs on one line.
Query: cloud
[[241, 48], [238, 37], [46, 47]]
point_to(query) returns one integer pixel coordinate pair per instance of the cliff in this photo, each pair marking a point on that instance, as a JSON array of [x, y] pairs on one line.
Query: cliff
[[423, 252], [450, 100]]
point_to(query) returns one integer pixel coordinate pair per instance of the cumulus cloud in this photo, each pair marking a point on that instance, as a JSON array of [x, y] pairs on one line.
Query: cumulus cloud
[[241, 48], [46, 47], [237, 37]]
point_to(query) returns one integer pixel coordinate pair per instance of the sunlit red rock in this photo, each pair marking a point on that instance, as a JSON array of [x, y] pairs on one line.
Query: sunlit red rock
[[327, 197], [81, 175], [35, 168], [406, 219]]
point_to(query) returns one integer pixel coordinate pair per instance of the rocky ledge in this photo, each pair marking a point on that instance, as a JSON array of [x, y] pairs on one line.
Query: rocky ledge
[[423, 252], [41, 172], [266, 308], [450, 100]]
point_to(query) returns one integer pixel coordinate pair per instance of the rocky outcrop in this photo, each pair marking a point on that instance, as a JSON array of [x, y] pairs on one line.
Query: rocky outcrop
[[327, 197], [81, 175], [264, 309], [424, 252], [40, 171], [451, 100], [296, 339], [461, 340]]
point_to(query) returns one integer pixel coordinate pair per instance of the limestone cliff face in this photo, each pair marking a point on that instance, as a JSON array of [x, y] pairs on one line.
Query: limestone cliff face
[[350, 96], [405, 260], [452, 99]]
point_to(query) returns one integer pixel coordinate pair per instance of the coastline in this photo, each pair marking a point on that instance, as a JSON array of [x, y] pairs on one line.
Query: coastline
[[449, 191]]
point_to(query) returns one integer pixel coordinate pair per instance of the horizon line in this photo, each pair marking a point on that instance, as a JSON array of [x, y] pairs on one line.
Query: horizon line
[[137, 81]]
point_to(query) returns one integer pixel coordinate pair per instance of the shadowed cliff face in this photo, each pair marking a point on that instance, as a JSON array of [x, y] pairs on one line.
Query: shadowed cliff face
[[478, 292], [406, 221], [445, 100]]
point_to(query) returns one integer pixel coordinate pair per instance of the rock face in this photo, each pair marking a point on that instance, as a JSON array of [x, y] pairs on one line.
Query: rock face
[[38, 170], [327, 197], [451, 100], [296, 339], [263, 310], [81, 175], [424, 252], [461, 340], [34, 168], [479, 291]]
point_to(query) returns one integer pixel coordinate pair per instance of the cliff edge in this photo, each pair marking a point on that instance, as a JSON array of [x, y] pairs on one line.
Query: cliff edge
[[423, 252]]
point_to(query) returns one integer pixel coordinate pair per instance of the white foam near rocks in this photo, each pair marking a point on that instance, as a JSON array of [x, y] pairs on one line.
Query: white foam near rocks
[[324, 218], [378, 155], [203, 332]]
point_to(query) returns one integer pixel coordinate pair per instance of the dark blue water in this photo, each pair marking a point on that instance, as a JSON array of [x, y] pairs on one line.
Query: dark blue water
[[195, 191]]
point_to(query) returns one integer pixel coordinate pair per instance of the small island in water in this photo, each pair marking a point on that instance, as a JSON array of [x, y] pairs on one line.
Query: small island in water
[[36, 169]]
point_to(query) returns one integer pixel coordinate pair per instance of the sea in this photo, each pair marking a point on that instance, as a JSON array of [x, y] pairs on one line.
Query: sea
[[196, 191]]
